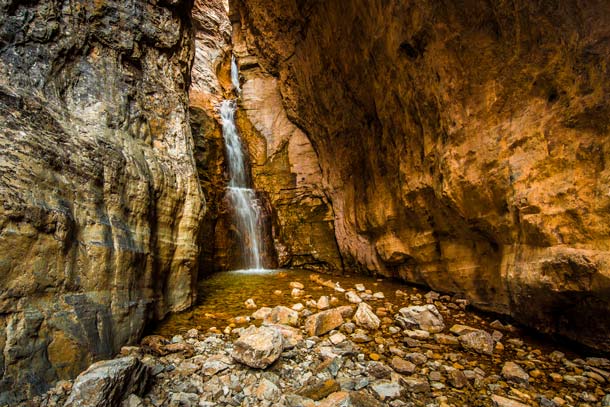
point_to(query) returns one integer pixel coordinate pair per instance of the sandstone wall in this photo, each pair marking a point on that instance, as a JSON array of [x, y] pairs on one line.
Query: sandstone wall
[[463, 144], [285, 169], [101, 204]]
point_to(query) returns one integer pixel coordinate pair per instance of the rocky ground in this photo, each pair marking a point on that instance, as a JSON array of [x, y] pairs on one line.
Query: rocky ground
[[354, 348]]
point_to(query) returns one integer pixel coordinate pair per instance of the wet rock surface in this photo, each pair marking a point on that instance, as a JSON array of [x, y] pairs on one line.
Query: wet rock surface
[[99, 221], [331, 369]]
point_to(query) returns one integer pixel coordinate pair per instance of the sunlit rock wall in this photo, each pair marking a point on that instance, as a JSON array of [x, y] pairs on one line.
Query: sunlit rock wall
[[462, 144], [285, 169], [101, 205]]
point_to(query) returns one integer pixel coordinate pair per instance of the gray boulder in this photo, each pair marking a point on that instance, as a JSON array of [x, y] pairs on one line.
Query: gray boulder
[[108, 382], [258, 347], [426, 317]]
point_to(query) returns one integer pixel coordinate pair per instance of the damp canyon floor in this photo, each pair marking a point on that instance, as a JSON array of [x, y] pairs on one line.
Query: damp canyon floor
[[457, 356]]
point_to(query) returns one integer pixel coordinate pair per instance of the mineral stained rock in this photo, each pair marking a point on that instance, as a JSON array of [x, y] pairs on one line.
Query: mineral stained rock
[[462, 145], [101, 206]]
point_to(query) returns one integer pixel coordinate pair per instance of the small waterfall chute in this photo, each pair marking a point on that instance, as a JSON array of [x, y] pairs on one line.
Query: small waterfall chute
[[246, 207]]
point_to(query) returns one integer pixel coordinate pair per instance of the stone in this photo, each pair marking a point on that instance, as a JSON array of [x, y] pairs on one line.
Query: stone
[[291, 336], [378, 370], [259, 347], [323, 303], [296, 293], [360, 287], [192, 333], [267, 390], [458, 329], [378, 295], [417, 334], [250, 304], [513, 372], [401, 365], [352, 297], [606, 401], [499, 401], [293, 400], [361, 398], [386, 389], [416, 384], [337, 338], [457, 378], [215, 364], [261, 313], [365, 317], [183, 399], [283, 316], [478, 341], [297, 285], [446, 339], [338, 398], [425, 317], [155, 344], [298, 307], [416, 357], [132, 401], [347, 311], [319, 389], [107, 383], [323, 322]]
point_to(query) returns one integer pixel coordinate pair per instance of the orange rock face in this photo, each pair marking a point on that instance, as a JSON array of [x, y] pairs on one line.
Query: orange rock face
[[463, 146]]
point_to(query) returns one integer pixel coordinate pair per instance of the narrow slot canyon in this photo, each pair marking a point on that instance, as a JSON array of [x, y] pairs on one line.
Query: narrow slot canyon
[[304, 203]]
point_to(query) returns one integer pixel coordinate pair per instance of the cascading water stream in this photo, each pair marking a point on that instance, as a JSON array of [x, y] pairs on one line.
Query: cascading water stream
[[235, 75], [246, 207]]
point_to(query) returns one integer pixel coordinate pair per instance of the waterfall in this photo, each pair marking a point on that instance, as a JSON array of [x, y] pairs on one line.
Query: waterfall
[[246, 207], [235, 75]]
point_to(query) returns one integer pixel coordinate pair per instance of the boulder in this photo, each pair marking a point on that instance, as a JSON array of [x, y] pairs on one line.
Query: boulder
[[365, 317], [108, 382], [258, 347], [477, 341], [426, 317], [322, 322]]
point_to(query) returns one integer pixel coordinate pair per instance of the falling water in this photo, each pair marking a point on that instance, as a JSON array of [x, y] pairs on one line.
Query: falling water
[[245, 205], [235, 75]]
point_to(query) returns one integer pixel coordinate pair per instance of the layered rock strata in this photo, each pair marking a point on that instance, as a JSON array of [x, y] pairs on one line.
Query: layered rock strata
[[101, 204], [285, 169], [462, 145]]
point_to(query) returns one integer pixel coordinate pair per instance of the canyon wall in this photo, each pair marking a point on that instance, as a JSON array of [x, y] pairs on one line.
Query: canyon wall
[[463, 144], [286, 170], [101, 204]]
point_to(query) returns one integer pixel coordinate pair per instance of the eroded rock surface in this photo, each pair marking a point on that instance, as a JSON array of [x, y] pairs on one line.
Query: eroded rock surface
[[462, 145], [101, 204]]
